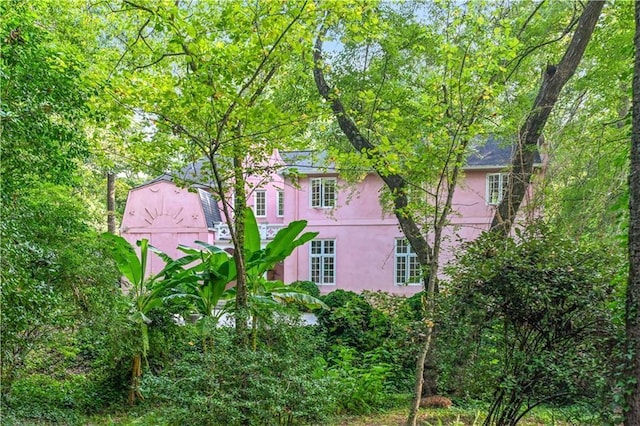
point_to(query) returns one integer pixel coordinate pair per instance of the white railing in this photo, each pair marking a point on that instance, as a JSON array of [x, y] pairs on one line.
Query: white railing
[[267, 231]]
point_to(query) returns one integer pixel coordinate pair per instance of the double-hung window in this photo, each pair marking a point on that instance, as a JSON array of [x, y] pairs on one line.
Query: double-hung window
[[260, 202], [497, 184], [322, 261], [280, 211], [407, 271], [323, 193]]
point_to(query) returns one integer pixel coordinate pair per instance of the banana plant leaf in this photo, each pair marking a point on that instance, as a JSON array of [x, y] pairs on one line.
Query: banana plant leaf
[[260, 260]]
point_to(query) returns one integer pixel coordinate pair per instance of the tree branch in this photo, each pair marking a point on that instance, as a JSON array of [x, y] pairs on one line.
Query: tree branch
[[257, 72], [395, 183], [518, 59], [554, 80]]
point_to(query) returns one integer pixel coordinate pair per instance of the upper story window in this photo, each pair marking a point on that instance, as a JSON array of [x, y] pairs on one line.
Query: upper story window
[[260, 203], [322, 259], [497, 184], [323, 192], [280, 211], [407, 270]]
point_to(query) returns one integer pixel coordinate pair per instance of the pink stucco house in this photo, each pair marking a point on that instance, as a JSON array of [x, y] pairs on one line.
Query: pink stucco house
[[359, 246]]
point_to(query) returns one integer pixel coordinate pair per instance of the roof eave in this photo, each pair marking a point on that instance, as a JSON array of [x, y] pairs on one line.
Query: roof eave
[[496, 167]]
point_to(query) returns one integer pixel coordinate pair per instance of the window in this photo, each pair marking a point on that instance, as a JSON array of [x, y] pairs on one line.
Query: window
[[280, 203], [260, 203], [323, 192], [497, 184], [323, 262], [407, 266]]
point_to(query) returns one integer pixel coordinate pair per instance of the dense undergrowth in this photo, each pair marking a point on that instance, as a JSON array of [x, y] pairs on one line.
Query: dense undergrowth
[[354, 367], [529, 324]]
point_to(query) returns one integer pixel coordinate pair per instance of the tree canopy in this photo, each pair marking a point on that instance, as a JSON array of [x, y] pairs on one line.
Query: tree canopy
[[408, 90]]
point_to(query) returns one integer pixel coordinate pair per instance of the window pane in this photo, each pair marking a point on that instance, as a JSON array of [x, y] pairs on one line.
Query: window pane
[[316, 200], [328, 270], [322, 261], [401, 269], [280, 203], [315, 270], [260, 207], [329, 199], [329, 246], [414, 270], [407, 270], [494, 190]]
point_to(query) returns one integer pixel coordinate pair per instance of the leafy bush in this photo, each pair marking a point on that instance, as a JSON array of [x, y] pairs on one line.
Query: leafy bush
[[40, 397], [361, 383], [56, 284], [372, 347], [347, 322], [279, 383], [535, 317], [308, 287]]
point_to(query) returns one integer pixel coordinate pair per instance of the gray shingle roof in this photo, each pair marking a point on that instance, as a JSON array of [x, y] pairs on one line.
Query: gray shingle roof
[[210, 208], [493, 154], [189, 174], [306, 162]]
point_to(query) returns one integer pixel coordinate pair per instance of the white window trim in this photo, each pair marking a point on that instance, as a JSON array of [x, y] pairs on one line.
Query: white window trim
[[279, 200], [255, 202], [322, 256], [502, 180], [410, 255], [322, 181]]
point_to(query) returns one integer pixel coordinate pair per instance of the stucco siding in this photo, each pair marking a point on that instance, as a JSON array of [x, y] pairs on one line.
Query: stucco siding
[[363, 233], [167, 216]]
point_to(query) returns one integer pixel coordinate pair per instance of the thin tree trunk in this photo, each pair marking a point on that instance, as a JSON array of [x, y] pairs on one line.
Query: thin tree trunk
[[427, 256], [553, 81], [136, 374], [111, 202], [429, 307], [419, 375], [632, 317], [242, 315]]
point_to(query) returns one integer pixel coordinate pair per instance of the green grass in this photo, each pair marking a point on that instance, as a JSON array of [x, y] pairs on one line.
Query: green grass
[[455, 416], [459, 416]]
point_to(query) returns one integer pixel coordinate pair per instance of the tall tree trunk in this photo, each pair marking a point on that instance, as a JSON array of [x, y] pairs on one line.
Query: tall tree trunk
[[234, 217], [431, 289], [632, 317], [427, 255], [553, 81], [111, 202]]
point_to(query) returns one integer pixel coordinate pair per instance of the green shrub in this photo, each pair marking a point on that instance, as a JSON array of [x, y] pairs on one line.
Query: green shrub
[[41, 397], [347, 322], [308, 287], [55, 282], [531, 318], [361, 384], [372, 347], [282, 382]]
